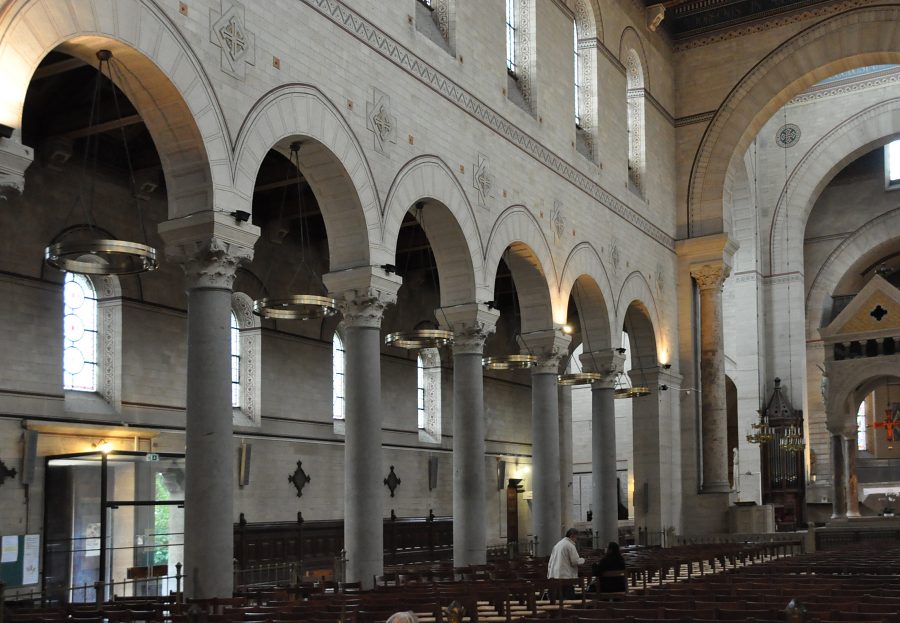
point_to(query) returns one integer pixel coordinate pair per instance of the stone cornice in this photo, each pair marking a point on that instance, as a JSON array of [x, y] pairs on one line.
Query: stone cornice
[[702, 117], [879, 79], [369, 34]]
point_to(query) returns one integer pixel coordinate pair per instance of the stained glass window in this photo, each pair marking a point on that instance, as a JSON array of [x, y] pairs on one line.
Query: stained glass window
[[80, 334]]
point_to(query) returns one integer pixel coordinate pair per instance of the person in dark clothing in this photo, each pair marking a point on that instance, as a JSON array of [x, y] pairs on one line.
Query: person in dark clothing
[[610, 571]]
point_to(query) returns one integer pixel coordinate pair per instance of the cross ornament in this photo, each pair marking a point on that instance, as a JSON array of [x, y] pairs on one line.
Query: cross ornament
[[888, 424], [228, 30]]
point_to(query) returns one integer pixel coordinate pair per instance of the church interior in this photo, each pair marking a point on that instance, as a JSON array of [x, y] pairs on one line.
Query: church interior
[[369, 301]]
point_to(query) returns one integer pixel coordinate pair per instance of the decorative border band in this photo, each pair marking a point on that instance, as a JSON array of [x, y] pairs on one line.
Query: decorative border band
[[381, 42]]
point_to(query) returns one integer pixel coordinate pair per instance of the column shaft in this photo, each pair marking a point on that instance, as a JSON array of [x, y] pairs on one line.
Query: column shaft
[[565, 458], [469, 530], [363, 470], [852, 480], [839, 484], [712, 378], [545, 457], [604, 495], [209, 447]]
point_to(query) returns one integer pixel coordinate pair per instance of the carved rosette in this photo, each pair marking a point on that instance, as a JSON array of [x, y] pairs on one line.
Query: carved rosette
[[710, 276], [210, 264]]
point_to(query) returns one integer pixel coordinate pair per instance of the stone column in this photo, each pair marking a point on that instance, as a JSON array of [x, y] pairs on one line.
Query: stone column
[[471, 324], [709, 278], [850, 476], [210, 246], [363, 294], [839, 483], [15, 158], [565, 458], [604, 493], [550, 346]]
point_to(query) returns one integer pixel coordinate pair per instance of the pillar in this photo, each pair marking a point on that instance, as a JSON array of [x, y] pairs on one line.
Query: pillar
[[604, 492], [839, 483], [210, 246], [850, 476], [714, 423], [363, 295], [551, 350], [565, 458], [471, 324]]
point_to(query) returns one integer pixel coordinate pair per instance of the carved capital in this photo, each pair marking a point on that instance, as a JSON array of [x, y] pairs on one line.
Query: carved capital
[[14, 160], [551, 348], [365, 308], [210, 246], [209, 264], [608, 362], [471, 324], [710, 276]]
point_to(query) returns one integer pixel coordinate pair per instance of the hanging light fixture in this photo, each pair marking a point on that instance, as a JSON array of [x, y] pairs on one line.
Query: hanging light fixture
[[791, 440], [297, 306], [579, 377], [509, 362], [100, 255], [623, 391], [418, 339], [763, 432]]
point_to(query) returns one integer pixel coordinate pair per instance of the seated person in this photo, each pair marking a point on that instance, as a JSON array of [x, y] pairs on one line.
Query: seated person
[[610, 571]]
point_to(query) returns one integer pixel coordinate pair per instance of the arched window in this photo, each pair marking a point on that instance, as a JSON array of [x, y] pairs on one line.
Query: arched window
[[428, 395], [861, 441], [892, 164], [512, 27], [235, 362], [577, 78], [337, 377], [420, 392], [637, 158], [80, 335]]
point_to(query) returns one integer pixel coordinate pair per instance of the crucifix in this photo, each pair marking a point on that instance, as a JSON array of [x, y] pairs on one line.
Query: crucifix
[[888, 424]]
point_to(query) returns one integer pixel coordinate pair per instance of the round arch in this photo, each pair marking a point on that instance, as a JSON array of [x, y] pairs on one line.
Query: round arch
[[332, 162], [633, 57], [163, 79], [847, 389], [855, 136], [636, 294], [879, 231], [804, 59], [589, 19], [451, 227], [531, 264], [593, 296]]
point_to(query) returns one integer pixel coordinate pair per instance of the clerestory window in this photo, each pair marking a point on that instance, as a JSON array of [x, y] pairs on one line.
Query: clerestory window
[[80, 334]]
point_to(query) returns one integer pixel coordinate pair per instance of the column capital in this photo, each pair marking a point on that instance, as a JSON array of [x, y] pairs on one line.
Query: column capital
[[471, 324], [363, 294], [15, 159], [210, 246], [711, 275], [609, 362], [551, 347]]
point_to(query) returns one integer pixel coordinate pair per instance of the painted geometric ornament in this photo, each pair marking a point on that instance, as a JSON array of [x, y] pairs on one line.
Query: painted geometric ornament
[[787, 135], [228, 31]]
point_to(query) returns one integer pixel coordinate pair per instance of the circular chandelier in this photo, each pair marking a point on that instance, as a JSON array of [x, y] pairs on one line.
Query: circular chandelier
[[638, 391], [420, 338], [102, 256], [509, 362], [579, 378], [296, 307]]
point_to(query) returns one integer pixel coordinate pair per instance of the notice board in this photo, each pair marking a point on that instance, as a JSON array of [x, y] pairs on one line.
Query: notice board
[[19, 559]]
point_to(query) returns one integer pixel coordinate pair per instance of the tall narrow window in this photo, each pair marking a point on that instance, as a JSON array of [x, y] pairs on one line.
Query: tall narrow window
[[512, 20], [420, 391], [577, 77], [337, 377], [861, 443], [235, 362], [79, 334], [892, 162]]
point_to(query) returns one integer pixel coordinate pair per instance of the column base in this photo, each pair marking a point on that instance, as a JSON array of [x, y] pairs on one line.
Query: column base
[[716, 487]]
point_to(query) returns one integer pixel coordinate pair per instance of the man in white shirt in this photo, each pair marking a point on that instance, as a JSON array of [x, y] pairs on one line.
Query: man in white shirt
[[564, 561]]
